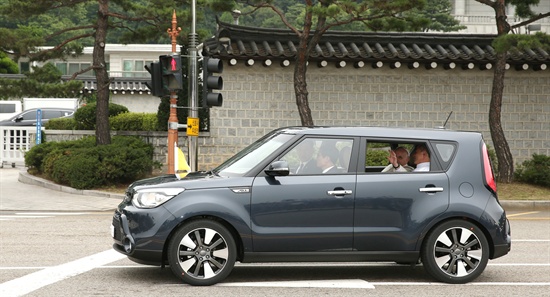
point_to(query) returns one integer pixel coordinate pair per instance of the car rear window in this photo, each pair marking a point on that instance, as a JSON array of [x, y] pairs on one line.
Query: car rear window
[[445, 152]]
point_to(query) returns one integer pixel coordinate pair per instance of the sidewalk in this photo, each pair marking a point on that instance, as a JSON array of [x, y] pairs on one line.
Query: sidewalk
[[20, 191]]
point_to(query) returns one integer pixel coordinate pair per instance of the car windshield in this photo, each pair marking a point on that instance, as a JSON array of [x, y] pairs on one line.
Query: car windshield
[[245, 160]]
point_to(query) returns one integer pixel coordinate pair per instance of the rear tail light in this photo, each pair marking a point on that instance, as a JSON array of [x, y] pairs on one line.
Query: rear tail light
[[490, 182]]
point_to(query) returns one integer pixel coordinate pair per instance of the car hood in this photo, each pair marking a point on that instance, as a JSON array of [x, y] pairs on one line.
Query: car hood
[[193, 181]]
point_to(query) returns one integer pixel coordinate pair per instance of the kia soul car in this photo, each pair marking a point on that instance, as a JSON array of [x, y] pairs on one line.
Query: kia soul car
[[262, 205]]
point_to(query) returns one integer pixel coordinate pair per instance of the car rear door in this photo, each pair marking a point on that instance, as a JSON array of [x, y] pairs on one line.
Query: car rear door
[[392, 209]]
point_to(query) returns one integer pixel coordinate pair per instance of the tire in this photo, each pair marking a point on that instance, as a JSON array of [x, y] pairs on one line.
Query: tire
[[455, 252], [202, 253]]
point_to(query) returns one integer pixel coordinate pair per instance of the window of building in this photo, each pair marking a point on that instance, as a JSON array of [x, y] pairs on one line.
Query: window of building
[[135, 68], [24, 67], [71, 68]]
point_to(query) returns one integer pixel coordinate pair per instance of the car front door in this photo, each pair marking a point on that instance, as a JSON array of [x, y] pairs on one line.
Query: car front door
[[308, 212]]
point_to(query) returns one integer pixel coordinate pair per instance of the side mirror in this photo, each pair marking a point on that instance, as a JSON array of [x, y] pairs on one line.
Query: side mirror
[[278, 168], [18, 119]]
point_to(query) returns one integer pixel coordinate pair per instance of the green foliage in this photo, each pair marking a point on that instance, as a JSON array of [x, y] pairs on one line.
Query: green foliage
[[35, 157], [131, 121], [339, 15], [82, 165], [85, 116], [513, 42], [42, 82], [377, 158], [535, 171], [7, 65], [61, 124]]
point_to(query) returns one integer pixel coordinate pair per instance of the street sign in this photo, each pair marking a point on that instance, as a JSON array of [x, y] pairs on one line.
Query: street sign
[[39, 126], [192, 126]]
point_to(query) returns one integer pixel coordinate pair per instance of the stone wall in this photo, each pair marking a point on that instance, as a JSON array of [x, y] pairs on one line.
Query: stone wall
[[259, 99]]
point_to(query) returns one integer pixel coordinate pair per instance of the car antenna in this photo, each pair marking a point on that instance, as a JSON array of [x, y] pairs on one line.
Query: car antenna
[[445, 124]]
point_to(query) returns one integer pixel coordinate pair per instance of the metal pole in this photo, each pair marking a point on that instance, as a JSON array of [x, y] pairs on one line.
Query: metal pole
[[193, 92], [173, 118]]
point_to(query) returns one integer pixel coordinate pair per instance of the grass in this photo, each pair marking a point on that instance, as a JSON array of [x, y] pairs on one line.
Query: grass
[[522, 191]]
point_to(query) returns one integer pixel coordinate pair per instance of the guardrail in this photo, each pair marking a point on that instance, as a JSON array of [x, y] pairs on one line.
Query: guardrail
[[14, 143]]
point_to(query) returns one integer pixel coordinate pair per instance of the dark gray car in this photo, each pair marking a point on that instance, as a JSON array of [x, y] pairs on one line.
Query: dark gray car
[[29, 116], [259, 206]]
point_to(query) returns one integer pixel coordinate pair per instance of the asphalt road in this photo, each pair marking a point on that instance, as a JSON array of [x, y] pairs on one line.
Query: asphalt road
[[69, 254], [52, 249]]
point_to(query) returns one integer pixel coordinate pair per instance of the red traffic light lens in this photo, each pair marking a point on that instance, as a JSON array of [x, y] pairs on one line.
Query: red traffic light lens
[[174, 64]]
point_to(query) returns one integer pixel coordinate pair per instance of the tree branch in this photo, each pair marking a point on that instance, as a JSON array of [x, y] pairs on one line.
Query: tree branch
[[58, 47], [68, 30], [529, 21]]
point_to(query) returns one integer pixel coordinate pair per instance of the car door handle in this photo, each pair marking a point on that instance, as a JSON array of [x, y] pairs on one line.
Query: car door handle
[[340, 193], [431, 189]]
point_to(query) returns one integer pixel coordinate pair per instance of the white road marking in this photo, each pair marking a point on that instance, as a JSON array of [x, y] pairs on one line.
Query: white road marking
[[9, 217], [468, 284], [52, 213], [339, 283], [36, 280]]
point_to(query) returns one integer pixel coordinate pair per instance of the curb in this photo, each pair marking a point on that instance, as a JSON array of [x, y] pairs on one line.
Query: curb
[[27, 178], [542, 205]]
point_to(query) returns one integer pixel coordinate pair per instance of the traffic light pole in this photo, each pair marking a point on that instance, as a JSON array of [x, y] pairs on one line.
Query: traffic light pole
[[193, 119], [173, 118]]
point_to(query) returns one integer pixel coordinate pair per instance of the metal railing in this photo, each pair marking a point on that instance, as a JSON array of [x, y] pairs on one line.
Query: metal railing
[[14, 143]]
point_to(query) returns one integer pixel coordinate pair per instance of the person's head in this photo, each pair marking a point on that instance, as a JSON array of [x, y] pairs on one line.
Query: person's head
[[420, 154], [327, 156], [305, 150], [402, 155]]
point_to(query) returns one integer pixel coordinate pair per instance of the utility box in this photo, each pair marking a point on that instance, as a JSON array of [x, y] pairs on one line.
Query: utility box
[[71, 103]]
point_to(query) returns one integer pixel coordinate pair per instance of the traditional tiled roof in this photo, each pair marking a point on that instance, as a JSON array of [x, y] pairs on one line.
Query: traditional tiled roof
[[122, 85], [242, 43]]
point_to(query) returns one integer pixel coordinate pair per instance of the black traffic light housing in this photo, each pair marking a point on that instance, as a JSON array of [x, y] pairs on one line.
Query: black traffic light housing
[[211, 82], [155, 85], [170, 66]]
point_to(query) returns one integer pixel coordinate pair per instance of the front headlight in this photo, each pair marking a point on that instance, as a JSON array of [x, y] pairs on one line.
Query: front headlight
[[151, 198]]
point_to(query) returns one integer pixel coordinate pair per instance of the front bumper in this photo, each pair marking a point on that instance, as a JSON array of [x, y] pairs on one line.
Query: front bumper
[[141, 234]]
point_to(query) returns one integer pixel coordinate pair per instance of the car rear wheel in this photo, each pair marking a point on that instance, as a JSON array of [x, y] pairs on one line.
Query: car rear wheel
[[455, 252], [202, 253]]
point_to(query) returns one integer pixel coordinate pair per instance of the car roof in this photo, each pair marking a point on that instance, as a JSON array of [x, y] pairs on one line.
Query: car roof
[[382, 132]]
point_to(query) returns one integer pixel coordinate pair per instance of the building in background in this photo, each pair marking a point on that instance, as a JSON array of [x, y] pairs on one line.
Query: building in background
[[480, 18]]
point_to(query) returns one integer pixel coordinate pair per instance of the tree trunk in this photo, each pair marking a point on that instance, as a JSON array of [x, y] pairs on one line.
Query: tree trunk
[[102, 131], [300, 89], [504, 156]]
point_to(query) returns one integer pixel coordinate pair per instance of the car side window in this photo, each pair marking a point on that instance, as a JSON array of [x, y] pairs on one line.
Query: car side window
[[319, 156], [397, 156], [29, 116]]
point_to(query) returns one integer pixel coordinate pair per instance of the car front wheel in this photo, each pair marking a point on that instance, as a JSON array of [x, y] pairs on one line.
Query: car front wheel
[[455, 252], [202, 253]]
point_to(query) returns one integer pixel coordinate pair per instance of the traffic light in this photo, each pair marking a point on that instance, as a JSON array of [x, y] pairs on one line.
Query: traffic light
[[172, 79], [155, 85], [211, 82]]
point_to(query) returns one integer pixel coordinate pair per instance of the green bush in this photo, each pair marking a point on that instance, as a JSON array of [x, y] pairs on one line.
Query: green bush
[[35, 157], [78, 168], [85, 116], [83, 165], [131, 121], [62, 124], [377, 157], [535, 171]]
